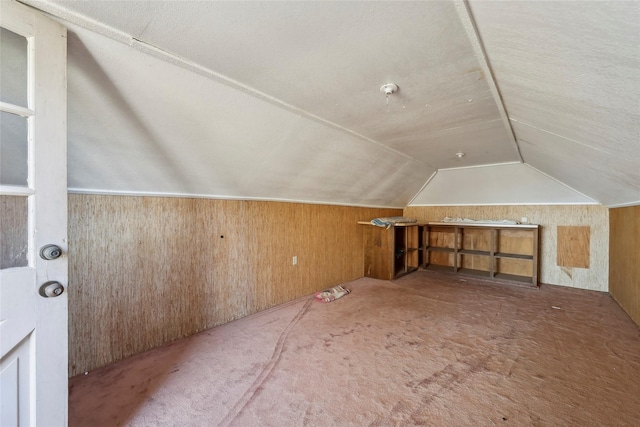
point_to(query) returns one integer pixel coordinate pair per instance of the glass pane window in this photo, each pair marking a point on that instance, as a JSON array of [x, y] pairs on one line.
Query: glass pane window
[[14, 228], [13, 149], [13, 68]]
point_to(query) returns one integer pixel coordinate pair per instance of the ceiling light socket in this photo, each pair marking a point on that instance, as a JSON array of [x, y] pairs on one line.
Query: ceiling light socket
[[459, 154], [389, 88]]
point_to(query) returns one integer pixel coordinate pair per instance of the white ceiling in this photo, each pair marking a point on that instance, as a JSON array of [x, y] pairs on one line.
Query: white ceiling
[[281, 100]]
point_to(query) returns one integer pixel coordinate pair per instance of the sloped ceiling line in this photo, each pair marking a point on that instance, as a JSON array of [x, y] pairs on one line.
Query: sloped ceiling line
[[205, 72], [561, 183], [433, 175], [560, 136], [480, 166], [571, 74], [474, 37], [221, 145], [501, 81], [60, 12]]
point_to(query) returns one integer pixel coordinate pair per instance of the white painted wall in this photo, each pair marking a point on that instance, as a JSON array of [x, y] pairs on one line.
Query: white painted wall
[[510, 184]]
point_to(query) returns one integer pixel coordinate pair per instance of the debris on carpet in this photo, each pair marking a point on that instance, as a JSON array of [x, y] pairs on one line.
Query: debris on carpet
[[332, 294]]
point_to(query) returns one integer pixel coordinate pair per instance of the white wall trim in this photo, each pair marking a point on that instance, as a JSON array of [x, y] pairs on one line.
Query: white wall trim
[[624, 205], [218, 197], [15, 190], [481, 166], [16, 109], [510, 204]]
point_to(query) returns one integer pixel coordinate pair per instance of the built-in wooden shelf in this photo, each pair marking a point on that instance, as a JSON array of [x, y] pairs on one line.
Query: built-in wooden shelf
[[392, 252], [490, 250]]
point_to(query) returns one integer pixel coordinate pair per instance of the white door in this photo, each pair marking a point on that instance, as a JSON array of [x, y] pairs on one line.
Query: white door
[[33, 214]]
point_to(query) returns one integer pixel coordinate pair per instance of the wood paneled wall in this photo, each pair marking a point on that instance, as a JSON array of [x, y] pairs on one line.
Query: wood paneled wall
[[549, 217], [624, 259], [144, 271]]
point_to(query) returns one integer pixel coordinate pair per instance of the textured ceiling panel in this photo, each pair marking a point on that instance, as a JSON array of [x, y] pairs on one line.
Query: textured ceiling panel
[[570, 72], [605, 178], [138, 13], [288, 93], [329, 59], [131, 131], [483, 143]]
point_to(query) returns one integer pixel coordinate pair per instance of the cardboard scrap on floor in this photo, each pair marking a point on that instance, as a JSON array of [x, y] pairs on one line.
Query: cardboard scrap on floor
[[332, 294]]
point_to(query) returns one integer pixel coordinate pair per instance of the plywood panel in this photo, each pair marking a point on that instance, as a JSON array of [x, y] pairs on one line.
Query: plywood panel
[[148, 270], [573, 246], [441, 258], [518, 267], [515, 241], [475, 262], [442, 237], [474, 239], [596, 277], [624, 259], [378, 252], [412, 237]]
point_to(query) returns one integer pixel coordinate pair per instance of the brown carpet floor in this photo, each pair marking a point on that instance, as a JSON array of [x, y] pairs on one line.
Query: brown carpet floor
[[422, 350]]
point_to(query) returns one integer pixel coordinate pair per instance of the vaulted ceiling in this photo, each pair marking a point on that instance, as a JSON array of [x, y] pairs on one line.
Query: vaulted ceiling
[[281, 100]]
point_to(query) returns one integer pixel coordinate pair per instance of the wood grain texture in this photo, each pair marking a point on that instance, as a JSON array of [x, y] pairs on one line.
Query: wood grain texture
[[145, 271], [413, 240], [442, 237], [480, 239], [390, 253], [14, 227], [573, 246], [518, 267], [520, 242], [475, 240], [515, 241], [378, 252], [624, 259], [596, 277]]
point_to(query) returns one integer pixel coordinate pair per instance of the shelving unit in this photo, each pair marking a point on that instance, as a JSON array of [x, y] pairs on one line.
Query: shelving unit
[[393, 252], [499, 252], [507, 253]]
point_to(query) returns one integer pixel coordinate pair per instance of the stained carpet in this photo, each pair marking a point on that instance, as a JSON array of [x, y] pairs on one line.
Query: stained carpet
[[422, 350]]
